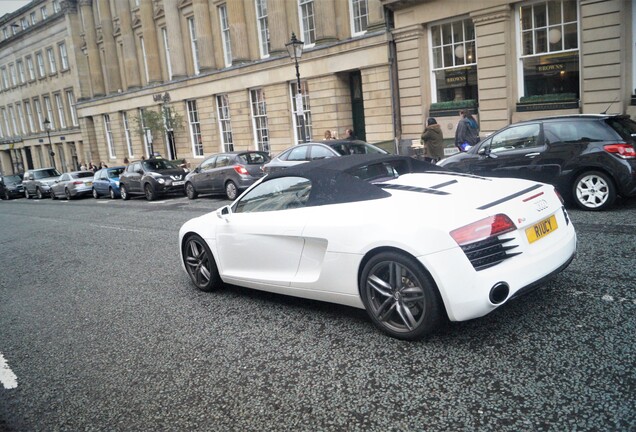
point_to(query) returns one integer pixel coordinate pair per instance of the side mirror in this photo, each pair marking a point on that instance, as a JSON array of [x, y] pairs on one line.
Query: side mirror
[[224, 212], [140, 172]]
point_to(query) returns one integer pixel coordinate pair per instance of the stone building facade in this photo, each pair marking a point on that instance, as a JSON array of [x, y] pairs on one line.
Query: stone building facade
[[188, 78]]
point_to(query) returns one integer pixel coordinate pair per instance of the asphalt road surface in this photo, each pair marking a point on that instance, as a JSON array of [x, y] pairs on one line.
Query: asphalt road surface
[[100, 330]]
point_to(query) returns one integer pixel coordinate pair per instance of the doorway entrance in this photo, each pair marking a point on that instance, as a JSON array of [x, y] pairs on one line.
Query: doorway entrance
[[357, 105]]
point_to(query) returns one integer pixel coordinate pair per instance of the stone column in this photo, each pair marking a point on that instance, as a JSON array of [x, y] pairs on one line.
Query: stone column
[[238, 31], [376, 16], [203, 28], [279, 33], [110, 50], [150, 41], [325, 21], [131, 64], [175, 39], [94, 60]]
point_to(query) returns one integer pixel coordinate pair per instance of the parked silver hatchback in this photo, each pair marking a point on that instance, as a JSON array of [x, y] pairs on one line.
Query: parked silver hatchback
[[37, 182]]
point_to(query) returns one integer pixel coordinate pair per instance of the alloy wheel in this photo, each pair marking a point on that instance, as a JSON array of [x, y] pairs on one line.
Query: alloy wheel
[[231, 191], [111, 192], [200, 264], [26, 193], [594, 191], [95, 194], [67, 193], [124, 192], [149, 192], [190, 191], [38, 193]]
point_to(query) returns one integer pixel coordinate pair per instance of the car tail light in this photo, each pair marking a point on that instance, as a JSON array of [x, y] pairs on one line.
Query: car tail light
[[240, 169], [625, 151], [483, 229], [78, 182]]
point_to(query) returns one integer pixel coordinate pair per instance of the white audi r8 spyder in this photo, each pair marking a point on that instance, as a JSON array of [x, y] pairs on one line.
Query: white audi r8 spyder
[[403, 239]]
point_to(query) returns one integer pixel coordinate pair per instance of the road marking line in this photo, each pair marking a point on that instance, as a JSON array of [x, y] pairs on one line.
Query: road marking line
[[8, 379], [117, 228]]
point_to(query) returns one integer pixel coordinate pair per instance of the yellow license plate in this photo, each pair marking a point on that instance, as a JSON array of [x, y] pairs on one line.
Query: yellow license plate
[[541, 229], [89, 183]]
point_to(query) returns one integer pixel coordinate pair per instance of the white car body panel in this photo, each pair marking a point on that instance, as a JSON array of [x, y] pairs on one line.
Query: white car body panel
[[317, 252]]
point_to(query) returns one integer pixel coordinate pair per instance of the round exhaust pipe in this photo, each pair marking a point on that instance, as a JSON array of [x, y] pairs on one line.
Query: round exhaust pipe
[[499, 293]]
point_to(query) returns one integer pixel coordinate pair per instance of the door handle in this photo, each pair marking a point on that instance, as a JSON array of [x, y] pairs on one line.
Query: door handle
[[531, 155]]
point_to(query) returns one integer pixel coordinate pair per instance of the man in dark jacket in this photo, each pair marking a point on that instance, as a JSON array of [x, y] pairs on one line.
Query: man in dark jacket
[[467, 134]]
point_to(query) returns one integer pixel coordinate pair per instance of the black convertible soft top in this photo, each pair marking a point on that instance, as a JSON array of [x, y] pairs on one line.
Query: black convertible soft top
[[349, 178]]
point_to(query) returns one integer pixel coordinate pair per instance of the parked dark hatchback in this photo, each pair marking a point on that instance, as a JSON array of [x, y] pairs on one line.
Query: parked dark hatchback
[[228, 173], [589, 158], [11, 186], [152, 178]]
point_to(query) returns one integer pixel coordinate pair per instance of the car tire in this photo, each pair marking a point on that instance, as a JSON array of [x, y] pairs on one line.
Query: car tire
[[231, 191], [26, 193], [399, 296], [67, 194], [190, 191], [124, 192], [200, 264], [6, 196], [95, 194], [149, 192], [594, 191], [38, 193], [111, 193], [53, 197]]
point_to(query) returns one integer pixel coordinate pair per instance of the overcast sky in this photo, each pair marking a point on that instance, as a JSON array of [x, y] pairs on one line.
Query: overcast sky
[[8, 6]]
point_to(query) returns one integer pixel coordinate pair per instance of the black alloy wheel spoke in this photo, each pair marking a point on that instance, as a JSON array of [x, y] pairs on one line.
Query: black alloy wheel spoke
[[380, 286]]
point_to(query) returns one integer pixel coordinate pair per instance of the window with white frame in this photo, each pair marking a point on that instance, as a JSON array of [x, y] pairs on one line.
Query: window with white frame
[[259, 119], [166, 47], [70, 98], [549, 60], [194, 45], [225, 35], [127, 135], [63, 55], [454, 73], [225, 122], [18, 108], [145, 59], [109, 137], [301, 114], [41, 68], [14, 122], [30, 68], [52, 65], [195, 128], [59, 104], [49, 111], [38, 113], [15, 28], [5, 32], [33, 18], [146, 133], [5, 78], [12, 73], [21, 73], [307, 21], [29, 114], [5, 119], [44, 12], [56, 6], [263, 27], [359, 16], [1, 131]]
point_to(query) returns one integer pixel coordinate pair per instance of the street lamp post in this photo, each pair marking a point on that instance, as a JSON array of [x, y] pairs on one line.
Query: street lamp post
[[295, 49], [47, 128]]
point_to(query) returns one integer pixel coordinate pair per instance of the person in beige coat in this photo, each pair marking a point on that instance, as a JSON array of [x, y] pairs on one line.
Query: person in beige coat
[[433, 140]]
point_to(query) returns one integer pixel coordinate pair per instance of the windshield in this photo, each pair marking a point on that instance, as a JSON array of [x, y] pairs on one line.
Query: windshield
[[12, 179], [115, 173], [46, 173], [158, 165], [254, 158]]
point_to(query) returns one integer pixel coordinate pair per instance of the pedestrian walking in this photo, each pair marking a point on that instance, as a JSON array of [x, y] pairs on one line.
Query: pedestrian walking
[[467, 134], [433, 141]]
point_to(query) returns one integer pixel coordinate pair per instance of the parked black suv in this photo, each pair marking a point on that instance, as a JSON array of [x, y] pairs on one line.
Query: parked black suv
[[589, 158], [11, 186], [38, 182], [151, 177]]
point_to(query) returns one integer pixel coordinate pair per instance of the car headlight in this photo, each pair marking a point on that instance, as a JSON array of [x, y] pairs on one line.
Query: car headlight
[[161, 181], [117, 183]]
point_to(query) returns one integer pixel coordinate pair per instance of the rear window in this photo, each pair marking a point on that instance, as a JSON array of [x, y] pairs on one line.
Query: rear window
[[625, 127], [253, 158], [83, 174], [578, 131]]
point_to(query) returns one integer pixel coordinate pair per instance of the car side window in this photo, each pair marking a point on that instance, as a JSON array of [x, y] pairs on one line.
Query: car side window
[[516, 138], [319, 152], [283, 193], [208, 164], [222, 161], [298, 154], [65, 177], [135, 167]]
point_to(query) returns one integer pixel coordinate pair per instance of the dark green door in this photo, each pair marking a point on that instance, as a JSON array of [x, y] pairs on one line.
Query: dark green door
[[357, 105]]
